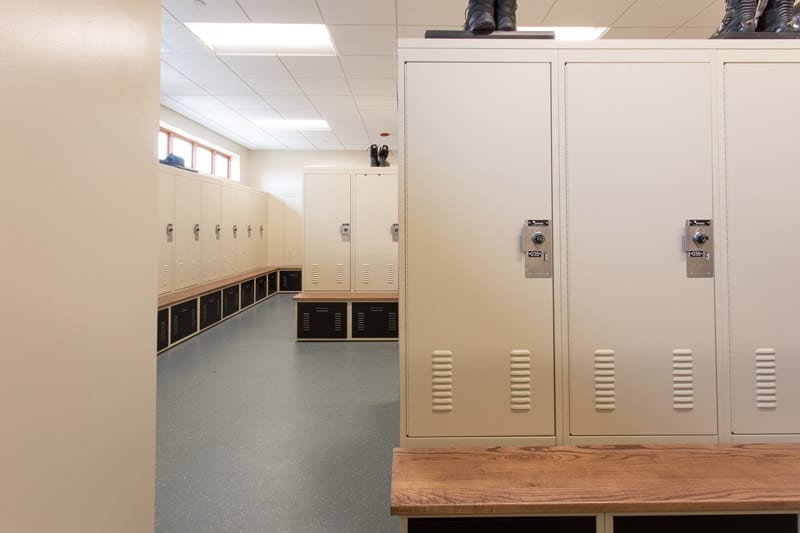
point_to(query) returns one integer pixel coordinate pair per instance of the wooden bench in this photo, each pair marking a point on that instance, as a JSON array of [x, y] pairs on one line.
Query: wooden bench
[[719, 487], [347, 316]]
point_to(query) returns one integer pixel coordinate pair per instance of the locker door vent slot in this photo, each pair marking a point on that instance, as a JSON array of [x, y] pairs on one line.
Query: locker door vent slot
[[340, 274], [766, 379], [165, 276], [683, 380], [365, 274], [314, 274], [361, 321], [605, 380], [306, 323], [520, 381], [338, 322], [195, 268], [393, 322], [442, 379], [390, 274]]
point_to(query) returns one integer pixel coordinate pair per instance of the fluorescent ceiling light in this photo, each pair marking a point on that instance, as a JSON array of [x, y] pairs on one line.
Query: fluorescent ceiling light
[[265, 39], [570, 33], [293, 125]]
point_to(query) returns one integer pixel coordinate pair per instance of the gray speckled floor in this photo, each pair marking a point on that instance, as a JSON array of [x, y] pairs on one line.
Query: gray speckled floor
[[258, 433]]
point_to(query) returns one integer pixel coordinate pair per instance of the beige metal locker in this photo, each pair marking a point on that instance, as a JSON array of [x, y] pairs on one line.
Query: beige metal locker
[[638, 165], [166, 230], [763, 227], [210, 230], [327, 237], [274, 230], [230, 231], [245, 236], [292, 228], [479, 334], [375, 231], [187, 232], [262, 231]]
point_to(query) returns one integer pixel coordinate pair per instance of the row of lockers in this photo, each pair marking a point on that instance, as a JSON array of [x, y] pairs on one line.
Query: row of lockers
[[207, 229], [329, 320], [351, 230]]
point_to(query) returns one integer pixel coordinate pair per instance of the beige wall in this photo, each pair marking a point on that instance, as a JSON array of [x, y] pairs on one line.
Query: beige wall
[[282, 170], [199, 131], [79, 80]]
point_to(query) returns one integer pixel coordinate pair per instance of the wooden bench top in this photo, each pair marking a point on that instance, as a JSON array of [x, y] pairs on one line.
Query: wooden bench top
[[199, 290], [595, 479], [346, 297]]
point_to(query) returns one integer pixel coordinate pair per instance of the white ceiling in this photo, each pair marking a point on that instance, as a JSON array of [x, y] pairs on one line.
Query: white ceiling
[[355, 91]]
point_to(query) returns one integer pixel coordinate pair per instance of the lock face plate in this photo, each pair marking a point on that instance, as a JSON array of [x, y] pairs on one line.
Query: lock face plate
[[344, 229], [395, 232], [699, 248], [538, 248]]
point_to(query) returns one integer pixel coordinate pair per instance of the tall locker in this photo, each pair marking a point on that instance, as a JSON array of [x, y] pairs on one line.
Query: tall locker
[[763, 263], [638, 166], [210, 243], [246, 234], [274, 230], [230, 231], [292, 228], [166, 230], [262, 233], [187, 232], [327, 236], [479, 334], [375, 231]]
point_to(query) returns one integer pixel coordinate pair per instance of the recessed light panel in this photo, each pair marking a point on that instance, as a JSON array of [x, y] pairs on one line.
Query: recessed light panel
[[265, 39]]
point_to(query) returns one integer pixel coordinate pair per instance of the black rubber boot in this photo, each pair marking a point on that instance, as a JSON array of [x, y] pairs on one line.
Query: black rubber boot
[[373, 156], [383, 153], [777, 17], [505, 15], [740, 16], [480, 16], [796, 18]]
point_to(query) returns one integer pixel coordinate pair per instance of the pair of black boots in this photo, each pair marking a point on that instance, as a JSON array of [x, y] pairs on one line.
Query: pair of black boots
[[377, 156], [486, 16], [748, 16]]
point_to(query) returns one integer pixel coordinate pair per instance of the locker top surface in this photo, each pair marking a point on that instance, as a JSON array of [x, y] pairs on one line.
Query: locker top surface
[[602, 44]]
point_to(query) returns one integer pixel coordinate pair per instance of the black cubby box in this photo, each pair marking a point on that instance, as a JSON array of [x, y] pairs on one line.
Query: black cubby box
[[248, 294], [322, 320]]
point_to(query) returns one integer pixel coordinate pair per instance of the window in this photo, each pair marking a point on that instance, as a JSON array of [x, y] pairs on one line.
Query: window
[[195, 155]]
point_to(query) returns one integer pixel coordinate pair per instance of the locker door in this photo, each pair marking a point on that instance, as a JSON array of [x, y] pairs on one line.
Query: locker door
[[293, 229], [326, 207], [246, 224], [641, 333], [210, 239], [230, 231], [166, 238], [275, 231], [262, 231], [187, 239], [479, 334], [375, 246], [763, 229]]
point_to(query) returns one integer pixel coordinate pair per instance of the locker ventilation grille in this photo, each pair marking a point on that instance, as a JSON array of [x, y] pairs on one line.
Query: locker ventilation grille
[[392, 322], [165, 276], [340, 274], [338, 322], [520, 380], [365, 273], [361, 321], [442, 374], [390, 274], [605, 380], [683, 380], [307, 322], [314, 274], [766, 379]]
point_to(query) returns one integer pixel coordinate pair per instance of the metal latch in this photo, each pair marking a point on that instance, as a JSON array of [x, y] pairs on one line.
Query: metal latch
[[395, 232]]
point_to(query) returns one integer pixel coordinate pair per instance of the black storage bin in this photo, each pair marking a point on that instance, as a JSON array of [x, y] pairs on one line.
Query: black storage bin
[[248, 293], [777, 523], [374, 320], [184, 320], [261, 288], [162, 329], [322, 320], [230, 300], [272, 283], [291, 281], [210, 309], [571, 524]]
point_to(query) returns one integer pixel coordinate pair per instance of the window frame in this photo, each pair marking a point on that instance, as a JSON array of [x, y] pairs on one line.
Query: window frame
[[171, 135]]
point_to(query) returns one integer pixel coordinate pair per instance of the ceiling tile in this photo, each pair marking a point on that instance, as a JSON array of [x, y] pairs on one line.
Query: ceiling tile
[[286, 87], [173, 82], [207, 71], [323, 140], [373, 86], [353, 137], [376, 102], [282, 12], [313, 67], [301, 114], [176, 39], [364, 40], [244, 102], [328, 103], [693, 33], [357, 11], [350, 117], [661, 13], [370, 66], [212, 11], [638, 33], [532, 12], [293, 140], [418, 32], [710, 16], [201, 103], [425, 12], [166, 17], [324, 86], [586, 12], [260, 67], [284, 104], [265, 142], [259, 114]]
